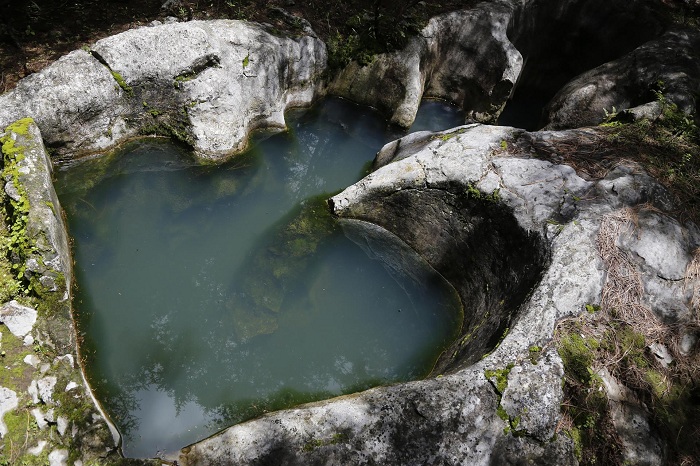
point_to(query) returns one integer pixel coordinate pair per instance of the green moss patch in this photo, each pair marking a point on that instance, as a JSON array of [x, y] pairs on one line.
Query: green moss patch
[[122, 83], [499, 380]]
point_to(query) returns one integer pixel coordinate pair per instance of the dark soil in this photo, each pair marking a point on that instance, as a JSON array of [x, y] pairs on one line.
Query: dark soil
[[35, 33]]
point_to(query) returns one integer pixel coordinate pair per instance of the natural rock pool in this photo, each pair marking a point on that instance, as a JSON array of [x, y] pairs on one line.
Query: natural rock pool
[[209, 295]]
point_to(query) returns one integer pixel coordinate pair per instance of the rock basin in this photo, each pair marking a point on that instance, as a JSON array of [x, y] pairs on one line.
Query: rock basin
[[466, 412]]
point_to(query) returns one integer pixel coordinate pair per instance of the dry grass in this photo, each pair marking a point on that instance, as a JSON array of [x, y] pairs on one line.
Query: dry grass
[[617, 337], [623, 289]]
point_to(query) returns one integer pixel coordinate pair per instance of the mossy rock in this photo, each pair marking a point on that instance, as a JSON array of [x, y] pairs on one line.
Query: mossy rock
[[577, 354]]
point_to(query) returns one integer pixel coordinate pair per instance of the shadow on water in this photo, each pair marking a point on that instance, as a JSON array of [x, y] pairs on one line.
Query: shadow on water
[[209, 295]]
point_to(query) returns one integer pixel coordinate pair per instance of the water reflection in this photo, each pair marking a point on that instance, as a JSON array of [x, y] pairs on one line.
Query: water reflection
[[211, 295]]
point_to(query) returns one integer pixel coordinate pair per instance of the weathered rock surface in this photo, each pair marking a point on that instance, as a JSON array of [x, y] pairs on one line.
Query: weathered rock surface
[[18, 319], [207, 83], [8, 402], [50, 257], [640, 445], [464, 56], [481, 58], [669, 65]]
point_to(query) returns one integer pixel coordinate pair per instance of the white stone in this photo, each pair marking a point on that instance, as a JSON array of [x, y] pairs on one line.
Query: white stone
[[688, 342], [39, 417], [32, 360], [68, 358], [19, 319], [45, 388], [58, 458], [8, 402], [71, 385], [33, 391], [28, 340], [662, 354], [62, 425], [36, 450]]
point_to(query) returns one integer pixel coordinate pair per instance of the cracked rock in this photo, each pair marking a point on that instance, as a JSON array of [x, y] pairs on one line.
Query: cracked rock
[[534, 395]]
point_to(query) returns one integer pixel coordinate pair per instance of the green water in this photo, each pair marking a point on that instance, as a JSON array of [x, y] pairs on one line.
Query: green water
[[209, 295]]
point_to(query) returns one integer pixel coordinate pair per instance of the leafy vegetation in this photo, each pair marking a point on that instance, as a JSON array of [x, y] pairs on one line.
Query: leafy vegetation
[[17, 246]]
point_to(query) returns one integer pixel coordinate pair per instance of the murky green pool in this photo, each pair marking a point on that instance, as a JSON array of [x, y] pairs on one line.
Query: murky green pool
[[209, 295]]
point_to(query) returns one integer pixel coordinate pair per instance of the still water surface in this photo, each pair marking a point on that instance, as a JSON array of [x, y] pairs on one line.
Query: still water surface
[[209, 295]]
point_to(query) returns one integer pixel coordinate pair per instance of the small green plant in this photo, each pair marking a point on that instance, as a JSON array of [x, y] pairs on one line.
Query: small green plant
[[668, 147], [499, 379], [472, 192], [18, 245], [592, 308], [609, 116], [586, 404]]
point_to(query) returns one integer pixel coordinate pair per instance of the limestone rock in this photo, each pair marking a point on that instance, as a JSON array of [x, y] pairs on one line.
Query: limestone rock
[[17, 318], [29, 169], [669, 64], [51, 255], [38, 448], [463, 56], [640, 445], [75, 101], [58, 458], [533, 397], [481, 58], [661, 247], [207, 83], [426, 181], [515, 235]]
